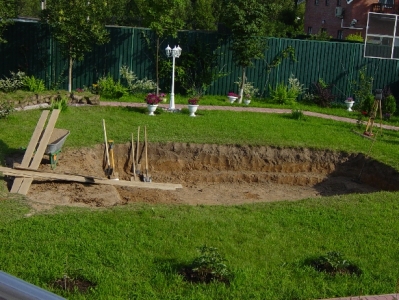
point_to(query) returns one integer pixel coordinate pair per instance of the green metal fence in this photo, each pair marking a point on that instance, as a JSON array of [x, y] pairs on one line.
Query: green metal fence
[[30, 48]]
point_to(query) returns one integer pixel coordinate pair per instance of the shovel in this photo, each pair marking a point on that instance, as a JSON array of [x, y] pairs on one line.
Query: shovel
[[108, 169], [138, 168], [146, 177], [114, 175], [133, 161]]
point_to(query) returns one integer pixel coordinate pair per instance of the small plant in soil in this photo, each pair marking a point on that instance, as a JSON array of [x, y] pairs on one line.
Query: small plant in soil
[[334, 263], [297, 114], [71, 281], [207, 267]]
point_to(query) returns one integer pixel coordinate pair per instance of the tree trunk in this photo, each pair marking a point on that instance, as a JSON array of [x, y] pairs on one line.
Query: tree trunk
[[242, 85], [70, 74], [157, 66]]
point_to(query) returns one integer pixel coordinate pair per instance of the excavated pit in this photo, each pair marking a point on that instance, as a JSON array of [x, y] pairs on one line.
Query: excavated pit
[[213, 174]]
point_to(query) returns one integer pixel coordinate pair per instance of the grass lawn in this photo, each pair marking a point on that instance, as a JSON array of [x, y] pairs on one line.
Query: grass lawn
[[136, 251]]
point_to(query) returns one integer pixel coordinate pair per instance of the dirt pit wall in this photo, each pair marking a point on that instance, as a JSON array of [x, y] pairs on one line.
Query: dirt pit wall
[[213, 174]]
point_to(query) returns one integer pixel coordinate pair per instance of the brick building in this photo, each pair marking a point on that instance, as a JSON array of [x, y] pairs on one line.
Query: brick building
[[339, 18]]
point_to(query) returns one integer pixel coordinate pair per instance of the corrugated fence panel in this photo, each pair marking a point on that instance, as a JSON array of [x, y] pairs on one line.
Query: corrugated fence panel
[[31, 49]]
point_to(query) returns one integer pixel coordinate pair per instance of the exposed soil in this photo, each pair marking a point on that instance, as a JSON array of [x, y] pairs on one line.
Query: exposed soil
[[73, 284], [213, 174]]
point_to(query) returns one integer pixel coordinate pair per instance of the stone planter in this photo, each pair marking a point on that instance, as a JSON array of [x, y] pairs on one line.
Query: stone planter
[[192, 109], [152, 109], [232, 99], [349, 105]]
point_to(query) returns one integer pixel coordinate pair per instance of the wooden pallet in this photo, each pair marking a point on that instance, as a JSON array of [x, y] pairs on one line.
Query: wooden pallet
[[30, 174], [35, 151]]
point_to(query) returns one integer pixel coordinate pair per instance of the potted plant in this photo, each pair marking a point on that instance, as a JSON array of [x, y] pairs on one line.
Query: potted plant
[[232, 97], [193, 106], [247, 99], [152, 101], [163, 97], [349, 103]]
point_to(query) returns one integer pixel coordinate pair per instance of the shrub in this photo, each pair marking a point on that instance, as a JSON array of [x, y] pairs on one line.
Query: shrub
[[6, 108], [62, 104], [389, 104], [322, 92], [367, 104], [297, 114], [334, 263], [13, 83], [355, 37], [362, 89], [109, 88], [33, 84], [249, 90], [134, 84]]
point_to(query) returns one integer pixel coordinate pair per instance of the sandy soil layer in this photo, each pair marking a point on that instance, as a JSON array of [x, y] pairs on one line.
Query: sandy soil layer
[[212, 174]]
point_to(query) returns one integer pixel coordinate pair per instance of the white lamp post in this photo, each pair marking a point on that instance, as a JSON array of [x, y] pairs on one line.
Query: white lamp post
[[175, 52]]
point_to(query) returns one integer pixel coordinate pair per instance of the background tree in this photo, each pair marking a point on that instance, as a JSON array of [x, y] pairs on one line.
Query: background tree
[[246, 20], [204, 15], [77, 25], [8, 11], [165, 18]]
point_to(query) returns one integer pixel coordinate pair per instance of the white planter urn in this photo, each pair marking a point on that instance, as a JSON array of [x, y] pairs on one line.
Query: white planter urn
[[192, 109], [247, 101], [151, 109], [349, 105], [232, 99]]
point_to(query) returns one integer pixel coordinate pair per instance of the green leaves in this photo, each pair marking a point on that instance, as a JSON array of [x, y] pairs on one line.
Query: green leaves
[[77, 27]]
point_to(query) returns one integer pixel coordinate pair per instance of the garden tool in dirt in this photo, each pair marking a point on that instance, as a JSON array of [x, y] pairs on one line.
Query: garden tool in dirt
[[133, 161], [114, 175], [146, 177], [138, 165], [108, 170]]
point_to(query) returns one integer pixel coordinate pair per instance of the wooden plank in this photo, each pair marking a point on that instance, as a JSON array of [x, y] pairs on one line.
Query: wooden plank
[[31, 149], [40, 150], [30, 174]]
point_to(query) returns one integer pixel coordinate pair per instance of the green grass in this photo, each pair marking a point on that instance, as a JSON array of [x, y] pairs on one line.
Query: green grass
[[135, 251], [219, 127]]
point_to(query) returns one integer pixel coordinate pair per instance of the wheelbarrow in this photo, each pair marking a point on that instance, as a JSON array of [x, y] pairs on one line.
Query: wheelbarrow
[[55, 144]]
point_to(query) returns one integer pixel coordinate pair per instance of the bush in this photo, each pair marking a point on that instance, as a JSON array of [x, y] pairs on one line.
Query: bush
[[13, 83], [297, 114], [109, 88], [34, 85], [355, 37], [134, 84], [6, 108], [62, 104], [287, 94], [363, 90], [367, 104], [282, 95], [323, 95], [389, 105]]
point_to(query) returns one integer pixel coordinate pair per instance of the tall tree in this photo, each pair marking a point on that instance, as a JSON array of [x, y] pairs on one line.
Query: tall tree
[[8, 11], [204, 14], [165, 18], [77, 25], [246, 18]]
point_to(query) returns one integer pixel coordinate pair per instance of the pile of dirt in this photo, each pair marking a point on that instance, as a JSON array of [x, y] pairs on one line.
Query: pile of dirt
[[213, 174]]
